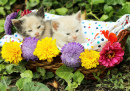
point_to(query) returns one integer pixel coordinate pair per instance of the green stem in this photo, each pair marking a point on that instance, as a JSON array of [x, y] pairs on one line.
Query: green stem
[[93, 15]]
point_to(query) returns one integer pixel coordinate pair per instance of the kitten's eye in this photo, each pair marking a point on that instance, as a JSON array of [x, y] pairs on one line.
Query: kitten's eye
[[68, 34], [38, 27], [76, 30], [29, 30]]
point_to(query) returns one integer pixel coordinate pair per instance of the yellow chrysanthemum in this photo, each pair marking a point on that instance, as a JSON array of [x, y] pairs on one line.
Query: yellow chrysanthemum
[[89, 59], [11, 51], [46, 49]]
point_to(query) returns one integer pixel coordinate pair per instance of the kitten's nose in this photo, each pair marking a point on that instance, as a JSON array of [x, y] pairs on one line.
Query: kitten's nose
[[74, 37], [37, 34]]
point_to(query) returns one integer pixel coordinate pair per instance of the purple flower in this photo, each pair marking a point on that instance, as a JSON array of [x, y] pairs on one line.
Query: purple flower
[[28, 47], [70, 54], [8, 23]]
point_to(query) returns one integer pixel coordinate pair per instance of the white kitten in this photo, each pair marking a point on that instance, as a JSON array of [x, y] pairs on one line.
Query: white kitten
[[68, 29]]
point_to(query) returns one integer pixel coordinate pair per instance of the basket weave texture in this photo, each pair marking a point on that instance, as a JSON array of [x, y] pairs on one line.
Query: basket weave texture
[[53, 66]]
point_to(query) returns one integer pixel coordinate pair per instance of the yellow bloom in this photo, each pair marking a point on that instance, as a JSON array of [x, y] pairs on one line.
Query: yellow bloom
[[46, 49], [12, 52], [89, 59]]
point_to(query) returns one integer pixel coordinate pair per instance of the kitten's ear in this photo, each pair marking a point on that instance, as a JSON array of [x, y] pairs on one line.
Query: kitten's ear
[[55, 25], [40, 12], [78, 16], [17, 23]]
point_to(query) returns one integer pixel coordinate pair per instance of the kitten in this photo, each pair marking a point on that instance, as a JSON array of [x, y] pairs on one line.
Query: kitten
[[68, 29], [33, 25]]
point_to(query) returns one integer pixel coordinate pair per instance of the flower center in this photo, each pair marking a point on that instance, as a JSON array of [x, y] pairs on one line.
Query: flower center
[[110, 54]]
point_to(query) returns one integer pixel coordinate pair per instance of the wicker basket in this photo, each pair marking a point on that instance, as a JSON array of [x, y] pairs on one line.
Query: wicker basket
[[53, 66]]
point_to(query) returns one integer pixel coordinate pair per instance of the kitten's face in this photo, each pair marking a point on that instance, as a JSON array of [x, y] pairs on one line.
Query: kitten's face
[[31, 25], [68, 27]]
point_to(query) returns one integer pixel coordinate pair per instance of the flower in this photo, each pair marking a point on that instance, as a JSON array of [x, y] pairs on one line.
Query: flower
[[89, 59], [46, 49], [8, 23], [12, 52], [25, 12], [111, 37], [70, 54], [111, 54], [28, 47]]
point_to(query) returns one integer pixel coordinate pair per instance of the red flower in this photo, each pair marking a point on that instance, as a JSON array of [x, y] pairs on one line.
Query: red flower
[[25, 12], [111, 37]]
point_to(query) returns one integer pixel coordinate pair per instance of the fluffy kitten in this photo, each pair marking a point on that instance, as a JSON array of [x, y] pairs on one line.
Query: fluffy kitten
[[68, 29], [33, 25]]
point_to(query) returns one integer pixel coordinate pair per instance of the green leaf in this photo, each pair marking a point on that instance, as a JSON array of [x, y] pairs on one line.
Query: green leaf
[[36, 75], [124, 10], [47, 4], [3, 2], [115, 2], [2, 12], [107, 8], [27, 73], [6, 81], [65, 72], [74, 85], [43, 87], [108, 73], [69, 5], [7, 6], [41, 70], [97, 1], [20, 83], [98, 85], [75, 1], [61, 11], [13, 89], [49, 75], [2, 21], [2, 87], [81, 4], [104, 17], [2, 66], [52, 11], [30, 86], [88, 7], [12, 1], [9, 68], [78, 77], [21, 67], [111, 14]]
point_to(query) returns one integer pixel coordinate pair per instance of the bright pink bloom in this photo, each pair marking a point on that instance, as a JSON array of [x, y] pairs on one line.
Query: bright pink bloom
[[111, 55]]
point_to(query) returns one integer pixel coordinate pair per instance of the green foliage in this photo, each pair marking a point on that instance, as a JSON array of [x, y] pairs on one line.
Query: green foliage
[[31, 86], [5, 81], [2, 21], [6, 6], [2, 87], [27, 73], [114, 81], [61, 11], [67, 74], [103, 10], [26, 84], [22, 81]]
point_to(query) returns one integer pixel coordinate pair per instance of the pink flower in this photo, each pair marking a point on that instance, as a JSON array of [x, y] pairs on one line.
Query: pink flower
[[111, 55], [25, 12]]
